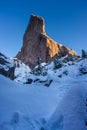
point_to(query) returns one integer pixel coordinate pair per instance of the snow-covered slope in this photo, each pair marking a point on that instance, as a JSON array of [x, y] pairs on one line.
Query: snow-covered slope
[[62, 106], [21, 72], [71, 112], [27, 107], [5, 62], [13, 68], [46, 73], [6, 66], [53, 97]]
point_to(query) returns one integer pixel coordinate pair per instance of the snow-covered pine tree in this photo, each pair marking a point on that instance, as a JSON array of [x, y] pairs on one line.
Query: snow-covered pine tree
[[57, 63]]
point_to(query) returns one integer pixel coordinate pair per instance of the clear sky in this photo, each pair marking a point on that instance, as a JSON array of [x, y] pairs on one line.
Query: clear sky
[[65, 21]]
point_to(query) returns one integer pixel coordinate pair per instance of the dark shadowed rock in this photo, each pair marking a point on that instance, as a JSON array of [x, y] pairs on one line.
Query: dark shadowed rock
[[37, 44]]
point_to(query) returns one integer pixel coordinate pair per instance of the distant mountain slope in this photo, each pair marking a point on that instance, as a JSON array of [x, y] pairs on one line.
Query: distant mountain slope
[[6, 66]]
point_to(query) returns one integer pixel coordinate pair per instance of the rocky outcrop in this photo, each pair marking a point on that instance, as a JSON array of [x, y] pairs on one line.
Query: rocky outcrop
[[37, 44], [7, 66]]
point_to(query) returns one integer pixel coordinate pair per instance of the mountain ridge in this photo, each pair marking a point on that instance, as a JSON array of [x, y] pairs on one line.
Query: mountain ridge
[[60, 68]]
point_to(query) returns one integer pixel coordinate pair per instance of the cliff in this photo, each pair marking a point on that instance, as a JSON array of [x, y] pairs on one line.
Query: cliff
[[37, 44]]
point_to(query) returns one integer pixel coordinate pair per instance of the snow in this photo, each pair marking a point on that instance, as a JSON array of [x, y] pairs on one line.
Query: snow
[[32, 104], [69, 71], [71, 112], [61, 106], [21, 72], [9, 63]]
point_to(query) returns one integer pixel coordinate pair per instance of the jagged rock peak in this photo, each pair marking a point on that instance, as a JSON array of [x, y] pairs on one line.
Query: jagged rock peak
[[37, 44], [36, 24]]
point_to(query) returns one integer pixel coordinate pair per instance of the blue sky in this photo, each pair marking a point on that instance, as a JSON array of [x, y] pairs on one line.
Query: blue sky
[[65, 21]]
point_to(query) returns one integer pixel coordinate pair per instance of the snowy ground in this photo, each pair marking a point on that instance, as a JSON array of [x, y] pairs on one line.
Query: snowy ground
[[71, 112], [54, 101], [62, 106]]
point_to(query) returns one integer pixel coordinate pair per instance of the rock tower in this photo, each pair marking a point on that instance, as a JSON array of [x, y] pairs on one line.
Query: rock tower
[[37, 44]]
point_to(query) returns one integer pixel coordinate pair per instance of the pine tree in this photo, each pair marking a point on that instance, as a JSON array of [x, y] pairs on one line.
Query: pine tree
[[40, 69], [84, 54], [57, 63]]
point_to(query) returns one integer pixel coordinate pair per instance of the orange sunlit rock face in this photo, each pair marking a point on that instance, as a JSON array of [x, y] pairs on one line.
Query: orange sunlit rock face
[[37, 44]]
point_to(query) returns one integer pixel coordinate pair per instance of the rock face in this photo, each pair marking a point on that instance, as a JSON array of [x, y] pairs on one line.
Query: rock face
[[37, 44]]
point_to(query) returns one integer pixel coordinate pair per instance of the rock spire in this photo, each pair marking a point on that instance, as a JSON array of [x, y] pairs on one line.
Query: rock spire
[[37, 44]]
